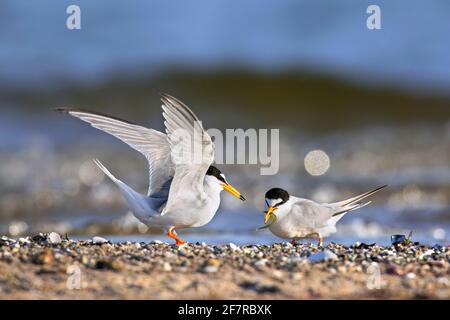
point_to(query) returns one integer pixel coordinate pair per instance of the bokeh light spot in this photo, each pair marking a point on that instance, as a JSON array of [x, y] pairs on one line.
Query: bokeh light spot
[[317, 162]]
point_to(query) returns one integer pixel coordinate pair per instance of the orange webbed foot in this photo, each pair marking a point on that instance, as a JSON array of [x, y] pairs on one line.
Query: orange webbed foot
[[172, 234]]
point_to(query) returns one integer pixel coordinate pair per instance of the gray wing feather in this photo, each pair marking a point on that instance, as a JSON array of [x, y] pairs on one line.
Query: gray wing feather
[[151, 143], [312, 214]]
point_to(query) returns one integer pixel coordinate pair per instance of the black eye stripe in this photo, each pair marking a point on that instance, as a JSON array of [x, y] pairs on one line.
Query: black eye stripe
[[275, 206], [280, 203]]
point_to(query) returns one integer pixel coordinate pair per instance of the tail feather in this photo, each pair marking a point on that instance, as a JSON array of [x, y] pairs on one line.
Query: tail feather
[[355, 202], [359, 197], [136, 201], [105, 170], [358, 205]]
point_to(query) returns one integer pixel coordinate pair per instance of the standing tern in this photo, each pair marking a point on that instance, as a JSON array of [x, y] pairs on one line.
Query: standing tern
[[183, 192], [296, 218]]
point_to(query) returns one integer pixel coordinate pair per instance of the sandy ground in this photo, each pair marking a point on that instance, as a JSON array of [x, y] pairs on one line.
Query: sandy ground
[[50, 268]]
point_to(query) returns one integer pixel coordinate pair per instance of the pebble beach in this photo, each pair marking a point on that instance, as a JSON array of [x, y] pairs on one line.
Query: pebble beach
[[51, 266]]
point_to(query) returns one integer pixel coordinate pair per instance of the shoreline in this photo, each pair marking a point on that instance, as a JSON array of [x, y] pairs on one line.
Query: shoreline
[[50, 267]]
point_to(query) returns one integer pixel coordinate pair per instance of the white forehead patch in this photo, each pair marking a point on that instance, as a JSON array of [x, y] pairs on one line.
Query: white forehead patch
[[223, 176]]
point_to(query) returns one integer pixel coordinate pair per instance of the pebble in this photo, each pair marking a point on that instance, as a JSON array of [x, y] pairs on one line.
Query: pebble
[[167, 267], [323, 255], [213, 262], [234, 247], [156, 242], [429, 252], [24, 241], [99, 240], [261, 263], [54, 238], [210, 269], [410, 275], [443, 281]]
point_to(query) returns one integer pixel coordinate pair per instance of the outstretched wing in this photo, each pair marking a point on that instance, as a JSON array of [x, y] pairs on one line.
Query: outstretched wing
[[192, 149], [152, 144]]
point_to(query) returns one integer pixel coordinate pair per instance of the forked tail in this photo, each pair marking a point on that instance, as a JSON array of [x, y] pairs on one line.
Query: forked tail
[[355, 202]]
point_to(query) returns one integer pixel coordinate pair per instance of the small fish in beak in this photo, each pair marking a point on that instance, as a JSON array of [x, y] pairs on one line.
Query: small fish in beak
[[269, 214], [229, 188]]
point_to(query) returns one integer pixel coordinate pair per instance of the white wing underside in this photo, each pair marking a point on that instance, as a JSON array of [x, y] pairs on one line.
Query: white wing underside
[[153, 144], [192, 152]]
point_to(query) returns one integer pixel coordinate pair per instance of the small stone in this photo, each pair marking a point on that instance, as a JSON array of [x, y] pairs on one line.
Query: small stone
[[137, 245], [410, 276], [156, 242], [24, 241], [85, 260], [277, 274], [429, 252], [54, 238], [108, 265], [39, 238], [167, 267], [261, 263], [210, 269], [213, 262], [443, 281], [234, 247], [99, 240], [296, 259], [44, 258], [323, 255]]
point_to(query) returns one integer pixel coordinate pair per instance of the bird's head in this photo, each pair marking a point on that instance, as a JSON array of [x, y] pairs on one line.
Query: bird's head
[[219, 177], [274, 198]]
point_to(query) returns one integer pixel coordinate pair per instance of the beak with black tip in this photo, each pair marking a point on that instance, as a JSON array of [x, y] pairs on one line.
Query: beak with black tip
[[229, 188]]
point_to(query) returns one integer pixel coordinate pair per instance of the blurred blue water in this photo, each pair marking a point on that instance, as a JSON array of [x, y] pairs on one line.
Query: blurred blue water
[[130, 36]]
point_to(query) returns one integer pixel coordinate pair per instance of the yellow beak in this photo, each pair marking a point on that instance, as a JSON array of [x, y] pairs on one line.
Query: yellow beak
[[269, 212], [229, 188]]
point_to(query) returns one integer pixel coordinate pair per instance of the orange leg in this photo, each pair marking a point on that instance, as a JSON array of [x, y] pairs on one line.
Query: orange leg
[[172, 234]]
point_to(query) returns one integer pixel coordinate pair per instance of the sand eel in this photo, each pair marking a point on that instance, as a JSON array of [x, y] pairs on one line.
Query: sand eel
[[295, 218], [184, 190]]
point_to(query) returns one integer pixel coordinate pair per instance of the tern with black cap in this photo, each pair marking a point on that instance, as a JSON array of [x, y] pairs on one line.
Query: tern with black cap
[[296, 218], [185, 188]]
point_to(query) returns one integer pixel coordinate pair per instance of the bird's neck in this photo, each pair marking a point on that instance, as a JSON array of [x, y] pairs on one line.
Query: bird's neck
[[283, 209], [212, 189]]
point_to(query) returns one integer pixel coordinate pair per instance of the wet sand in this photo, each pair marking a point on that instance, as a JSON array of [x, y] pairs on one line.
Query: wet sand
[[43, 267]]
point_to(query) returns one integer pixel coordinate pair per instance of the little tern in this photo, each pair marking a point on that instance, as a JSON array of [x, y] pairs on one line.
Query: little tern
[[297, 218], [183, 192]]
